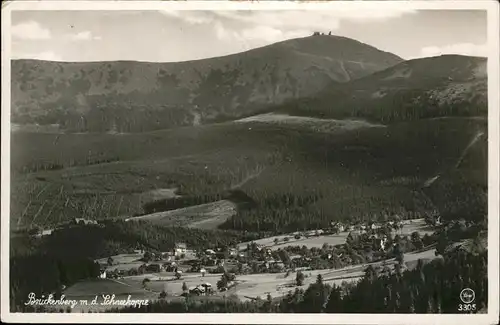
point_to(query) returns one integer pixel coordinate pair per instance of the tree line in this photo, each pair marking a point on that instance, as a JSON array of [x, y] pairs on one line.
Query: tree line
[[113, 237]]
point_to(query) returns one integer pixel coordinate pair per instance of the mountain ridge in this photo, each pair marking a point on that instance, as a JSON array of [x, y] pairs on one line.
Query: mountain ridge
[[287, 42], [137, 96], [446, 85]]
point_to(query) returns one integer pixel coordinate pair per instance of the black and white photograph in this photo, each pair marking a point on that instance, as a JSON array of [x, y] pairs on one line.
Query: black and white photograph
[[219, 158]]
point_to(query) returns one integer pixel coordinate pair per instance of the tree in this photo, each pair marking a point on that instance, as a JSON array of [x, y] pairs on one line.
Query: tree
[[398, 253], [239, 267], [370, 273], [229, 276], [334, 303], [416, 240], [299, 279], [147, 257], [386, 271], [442, 243], [285, 258], [225, 279], [222, 283], [398, 268], [315, 296], [269, 303], [350, 239]]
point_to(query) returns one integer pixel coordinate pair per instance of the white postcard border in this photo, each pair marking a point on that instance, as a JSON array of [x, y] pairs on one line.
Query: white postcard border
[[491, 317]]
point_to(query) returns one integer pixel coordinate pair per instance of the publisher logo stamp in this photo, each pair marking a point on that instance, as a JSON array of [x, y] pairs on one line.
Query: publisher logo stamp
[[467, 295]]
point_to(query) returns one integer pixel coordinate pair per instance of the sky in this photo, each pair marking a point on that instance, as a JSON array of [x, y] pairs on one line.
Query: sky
[[171, 36]]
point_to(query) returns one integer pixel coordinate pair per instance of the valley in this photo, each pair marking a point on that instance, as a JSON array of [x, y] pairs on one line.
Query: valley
[[307, 168], [246, 287]]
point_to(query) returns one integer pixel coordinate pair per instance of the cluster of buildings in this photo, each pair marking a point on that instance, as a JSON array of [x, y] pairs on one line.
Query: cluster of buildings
[[171, 261], [43, 232], [255, 257], [38, 233], [201, 289], [84, 222]]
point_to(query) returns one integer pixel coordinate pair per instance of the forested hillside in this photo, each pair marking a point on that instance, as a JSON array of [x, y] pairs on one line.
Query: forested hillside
[[443, 86]]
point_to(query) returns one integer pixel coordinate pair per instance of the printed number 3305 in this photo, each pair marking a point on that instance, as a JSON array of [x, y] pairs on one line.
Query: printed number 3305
[[467, 307]]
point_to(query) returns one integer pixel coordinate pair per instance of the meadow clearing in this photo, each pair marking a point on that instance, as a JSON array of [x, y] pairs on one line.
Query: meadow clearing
[[409, 226], [205, 216], [122, 259], [88, 290]]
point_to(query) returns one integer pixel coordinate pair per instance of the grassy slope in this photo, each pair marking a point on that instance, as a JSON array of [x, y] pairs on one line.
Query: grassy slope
[[355, 173]]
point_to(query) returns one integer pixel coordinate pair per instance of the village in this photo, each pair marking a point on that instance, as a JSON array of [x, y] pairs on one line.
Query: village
[[267, 267], [273, 265]]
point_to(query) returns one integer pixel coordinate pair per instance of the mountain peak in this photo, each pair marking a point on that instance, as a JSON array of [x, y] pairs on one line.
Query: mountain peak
[[340, 47]]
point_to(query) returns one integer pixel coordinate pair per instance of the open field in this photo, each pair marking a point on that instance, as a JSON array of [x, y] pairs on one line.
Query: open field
[[87, 290], [409, 226], [418, 225], [315, 241], [259, 285], [315, 124], [125, 262], [159, 194], [207, 215], [121, 259], [167, 281], [124, 267]]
